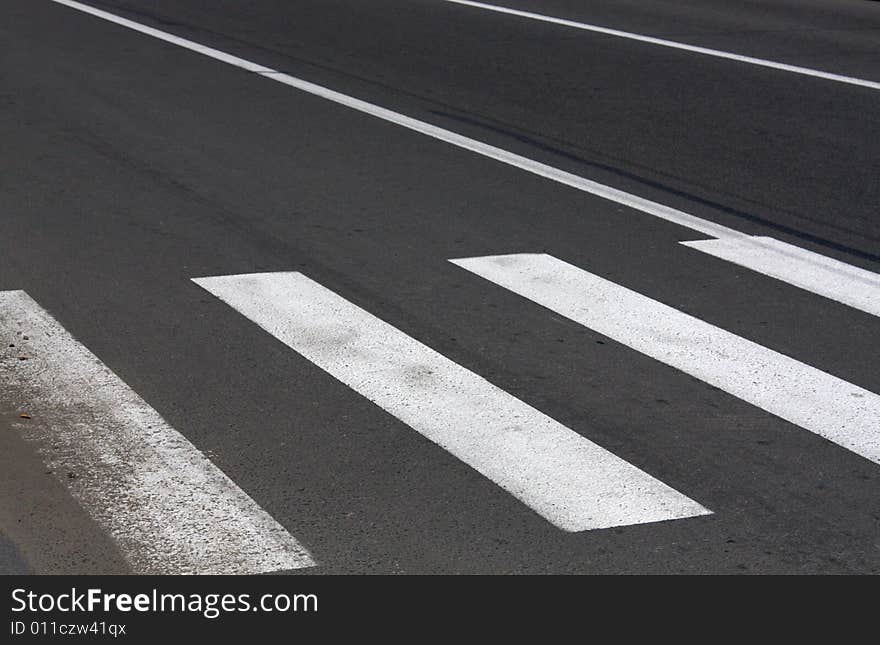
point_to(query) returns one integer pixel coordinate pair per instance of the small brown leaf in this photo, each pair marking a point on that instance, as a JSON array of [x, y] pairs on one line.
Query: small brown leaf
[[25, 415]]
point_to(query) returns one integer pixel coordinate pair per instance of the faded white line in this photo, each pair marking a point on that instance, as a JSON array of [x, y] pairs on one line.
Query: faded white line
[[822, 275], [166, 505], [717, 53], [635, 202], [839, 411], [572, 482]]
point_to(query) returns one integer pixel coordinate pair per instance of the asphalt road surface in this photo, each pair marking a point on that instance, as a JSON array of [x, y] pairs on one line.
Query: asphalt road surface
[[578, 392]]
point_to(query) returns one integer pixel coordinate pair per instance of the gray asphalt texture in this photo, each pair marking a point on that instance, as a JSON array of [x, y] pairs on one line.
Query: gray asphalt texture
[[129, 166]]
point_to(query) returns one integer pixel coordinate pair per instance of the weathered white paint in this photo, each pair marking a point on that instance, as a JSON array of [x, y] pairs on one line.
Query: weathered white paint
[[166, 505]]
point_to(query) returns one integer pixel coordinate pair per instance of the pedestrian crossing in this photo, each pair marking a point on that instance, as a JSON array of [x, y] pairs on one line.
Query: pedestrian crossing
[[171, 509], [561, 467]]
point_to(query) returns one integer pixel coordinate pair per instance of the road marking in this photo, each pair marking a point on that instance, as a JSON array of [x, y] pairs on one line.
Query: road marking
[[822, 275], [795, 69], [819, 402], [167, 506], [573, 483], [635, 202], [536, 168]]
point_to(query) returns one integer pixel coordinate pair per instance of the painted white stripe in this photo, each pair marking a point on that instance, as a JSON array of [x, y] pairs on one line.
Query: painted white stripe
[[825, 276], [635, 202], [761, 62], [509, 158], [819, 402], [167, 506], [572, 482]]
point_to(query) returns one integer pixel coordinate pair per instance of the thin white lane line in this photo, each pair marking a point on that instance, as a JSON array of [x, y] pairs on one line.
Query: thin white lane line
[[534, 167], [795, 69], [830, 407], [169, 509], [543, 170], [825, 276], [572, 482], [635, 202]]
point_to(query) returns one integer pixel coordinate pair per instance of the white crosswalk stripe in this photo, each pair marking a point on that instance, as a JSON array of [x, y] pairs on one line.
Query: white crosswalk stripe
[[168, 507], [839, 411], [572, 482]]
